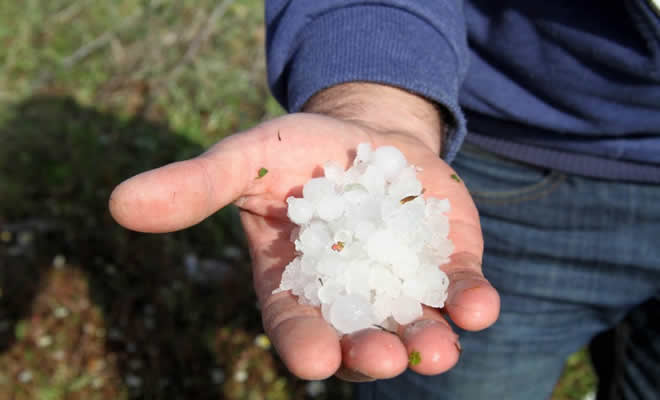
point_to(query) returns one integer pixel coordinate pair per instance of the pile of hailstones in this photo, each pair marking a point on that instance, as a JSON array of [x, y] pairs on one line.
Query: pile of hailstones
[[368, 244]]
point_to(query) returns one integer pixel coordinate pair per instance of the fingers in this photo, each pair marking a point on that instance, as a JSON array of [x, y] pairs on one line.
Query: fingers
[[308, 346], [182, 194], [431, 346], [372, 354], [472, 303], [427, 346], [311, 348]]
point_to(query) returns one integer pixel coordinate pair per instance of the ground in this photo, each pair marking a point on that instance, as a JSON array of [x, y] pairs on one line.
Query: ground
[[91, 93]]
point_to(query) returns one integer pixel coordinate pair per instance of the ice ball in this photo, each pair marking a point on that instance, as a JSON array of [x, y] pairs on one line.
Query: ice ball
[[363, 153], [316, 189], [334, 172], [299, 211], [405, 184], [406, 309], [389, 160], [351, 313], [331, 207]]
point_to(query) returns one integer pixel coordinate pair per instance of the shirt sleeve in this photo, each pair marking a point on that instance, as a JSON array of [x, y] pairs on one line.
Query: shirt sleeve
[[419, 46]]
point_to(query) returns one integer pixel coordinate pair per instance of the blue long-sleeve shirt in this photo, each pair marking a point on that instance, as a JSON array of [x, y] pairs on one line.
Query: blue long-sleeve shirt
[[568, 85]]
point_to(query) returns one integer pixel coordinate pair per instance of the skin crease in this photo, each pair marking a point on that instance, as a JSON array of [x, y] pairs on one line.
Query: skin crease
[[293, 148]]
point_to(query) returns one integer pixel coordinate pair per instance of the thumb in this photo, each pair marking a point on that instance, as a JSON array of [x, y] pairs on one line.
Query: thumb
[[183, 193]]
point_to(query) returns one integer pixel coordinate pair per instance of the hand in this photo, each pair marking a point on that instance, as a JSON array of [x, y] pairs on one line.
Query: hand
[[293, 148]]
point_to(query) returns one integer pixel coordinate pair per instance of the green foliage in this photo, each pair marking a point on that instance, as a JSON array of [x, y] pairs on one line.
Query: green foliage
[[21, 329], [164, 59], [578, 378]]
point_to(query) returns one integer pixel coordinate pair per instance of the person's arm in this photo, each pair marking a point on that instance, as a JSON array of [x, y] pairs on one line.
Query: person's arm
[[408, 117], [383, 109], [419, 46], [293, 148], [309, 70]]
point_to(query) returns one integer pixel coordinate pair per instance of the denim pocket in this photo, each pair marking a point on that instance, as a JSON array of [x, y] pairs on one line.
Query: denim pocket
[[495, 179]]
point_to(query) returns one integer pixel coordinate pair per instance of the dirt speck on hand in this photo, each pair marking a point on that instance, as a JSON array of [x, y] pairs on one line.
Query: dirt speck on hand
[[414, 358]]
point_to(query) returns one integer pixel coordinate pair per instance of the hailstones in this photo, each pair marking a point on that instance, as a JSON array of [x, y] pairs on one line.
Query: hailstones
[[368, 244]]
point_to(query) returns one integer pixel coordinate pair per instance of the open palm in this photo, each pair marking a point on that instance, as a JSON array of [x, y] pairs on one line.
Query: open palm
[[292, 149]]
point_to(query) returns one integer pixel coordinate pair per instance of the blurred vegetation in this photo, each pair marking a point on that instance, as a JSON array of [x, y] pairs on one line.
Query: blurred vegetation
[[196, 64], [92, 92]]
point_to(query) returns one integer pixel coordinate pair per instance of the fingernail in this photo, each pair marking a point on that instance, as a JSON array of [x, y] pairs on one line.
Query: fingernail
[[458, 346], [383, 329], [423, 324], [417, 326], [462, 286], [352, 375]]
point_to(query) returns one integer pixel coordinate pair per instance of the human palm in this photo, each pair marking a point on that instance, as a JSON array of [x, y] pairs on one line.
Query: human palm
[[292, 149]]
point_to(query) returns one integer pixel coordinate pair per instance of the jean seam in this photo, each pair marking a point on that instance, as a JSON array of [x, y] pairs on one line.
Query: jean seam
[[533, 192], [528, 192]]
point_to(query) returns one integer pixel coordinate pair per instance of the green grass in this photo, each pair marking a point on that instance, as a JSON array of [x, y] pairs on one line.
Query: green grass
[[165, 60], [90, 93], [578, 379]]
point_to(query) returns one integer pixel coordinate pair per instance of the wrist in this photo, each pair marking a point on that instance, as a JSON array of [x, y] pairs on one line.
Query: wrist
[[384, 109]]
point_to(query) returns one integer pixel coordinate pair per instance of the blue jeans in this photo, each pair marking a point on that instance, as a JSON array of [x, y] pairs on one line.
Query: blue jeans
[[571, 257]]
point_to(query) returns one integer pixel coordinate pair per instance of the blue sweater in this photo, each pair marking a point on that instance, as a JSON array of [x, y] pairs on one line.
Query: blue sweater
[[568, 85]]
